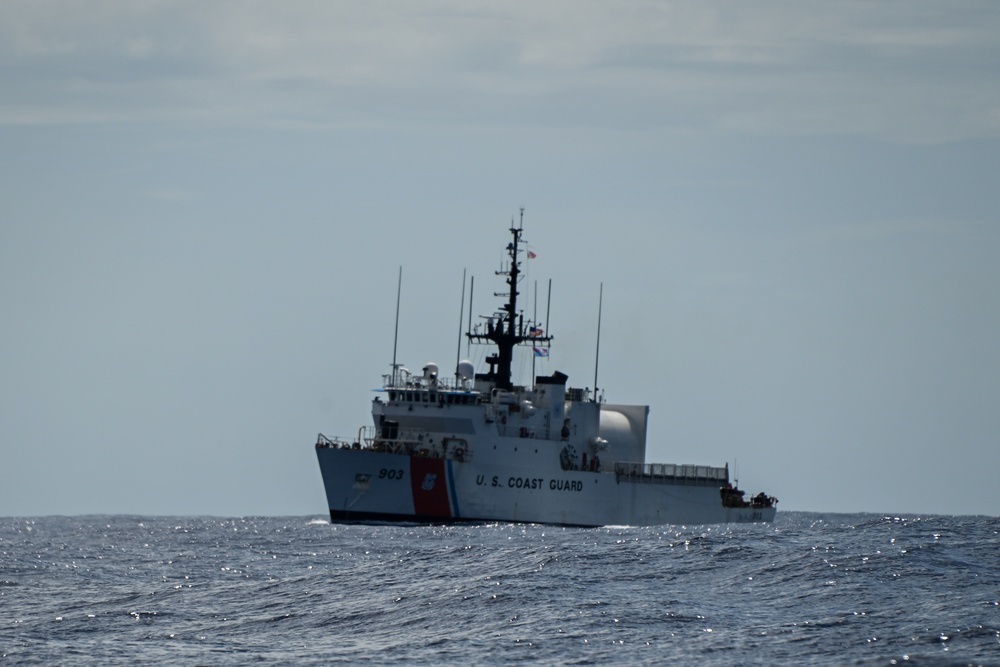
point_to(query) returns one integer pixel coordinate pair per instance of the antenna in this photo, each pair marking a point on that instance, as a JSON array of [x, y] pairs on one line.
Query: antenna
[[548, 308], [597, 355], [505, 328], [461, 313], [395, 340], [535, 318], [468, 342]]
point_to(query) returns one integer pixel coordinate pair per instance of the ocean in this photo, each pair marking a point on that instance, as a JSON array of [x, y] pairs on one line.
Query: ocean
[[823, 589]]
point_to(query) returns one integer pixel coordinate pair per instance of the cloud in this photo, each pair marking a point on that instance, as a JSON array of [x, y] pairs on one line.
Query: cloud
[[911, 72]]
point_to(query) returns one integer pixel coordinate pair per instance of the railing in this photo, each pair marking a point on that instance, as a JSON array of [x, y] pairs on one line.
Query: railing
[[323, 442], [670, 472], [405, 381], [404, 441]]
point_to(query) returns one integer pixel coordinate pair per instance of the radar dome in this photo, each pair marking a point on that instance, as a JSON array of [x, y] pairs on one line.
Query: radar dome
[[465, 369], [430, 370]]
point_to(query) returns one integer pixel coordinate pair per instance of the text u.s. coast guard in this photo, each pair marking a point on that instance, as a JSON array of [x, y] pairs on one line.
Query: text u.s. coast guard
[[531, 483]]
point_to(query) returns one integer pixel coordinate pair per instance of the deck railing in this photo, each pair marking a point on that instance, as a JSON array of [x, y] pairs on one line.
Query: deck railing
[[402, 441], [672, 472]]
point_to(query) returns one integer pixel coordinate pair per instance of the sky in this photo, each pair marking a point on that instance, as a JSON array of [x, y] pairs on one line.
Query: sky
[[792, 209]]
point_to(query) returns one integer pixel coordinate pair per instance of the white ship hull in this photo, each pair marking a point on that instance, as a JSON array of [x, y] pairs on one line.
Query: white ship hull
[[364, 486]]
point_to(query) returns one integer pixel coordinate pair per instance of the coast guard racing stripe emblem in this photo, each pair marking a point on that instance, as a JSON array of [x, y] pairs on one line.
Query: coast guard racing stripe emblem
[[430, 488]]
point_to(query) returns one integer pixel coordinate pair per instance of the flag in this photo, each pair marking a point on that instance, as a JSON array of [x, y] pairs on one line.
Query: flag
[[541, 351], [531, 255], [535, 332]]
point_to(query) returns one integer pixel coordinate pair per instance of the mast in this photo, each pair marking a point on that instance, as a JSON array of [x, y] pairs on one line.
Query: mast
[[507, 331], [458, 352], [534, 317], [395, 338], [472, 287], [597, 352]]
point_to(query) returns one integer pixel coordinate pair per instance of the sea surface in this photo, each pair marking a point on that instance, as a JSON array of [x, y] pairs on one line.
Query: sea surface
[[809, 588]]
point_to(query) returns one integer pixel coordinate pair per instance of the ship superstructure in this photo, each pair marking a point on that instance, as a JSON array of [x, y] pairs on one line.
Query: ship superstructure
[[477, 447]]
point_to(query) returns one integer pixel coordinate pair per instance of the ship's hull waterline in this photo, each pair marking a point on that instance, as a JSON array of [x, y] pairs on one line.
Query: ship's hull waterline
[[368, 486]]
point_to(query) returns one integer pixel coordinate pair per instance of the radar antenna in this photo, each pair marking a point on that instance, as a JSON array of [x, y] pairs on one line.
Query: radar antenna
[[506, 329]]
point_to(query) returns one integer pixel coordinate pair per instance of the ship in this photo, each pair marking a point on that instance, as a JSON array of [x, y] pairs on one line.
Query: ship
[[475, 447]]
